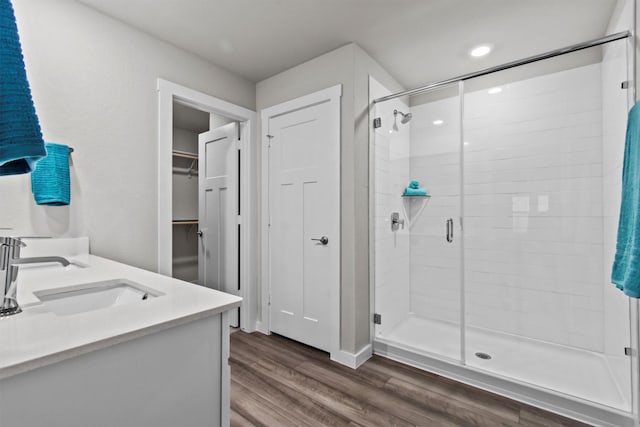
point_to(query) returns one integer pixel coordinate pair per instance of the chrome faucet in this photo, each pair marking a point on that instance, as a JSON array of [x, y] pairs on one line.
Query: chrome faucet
[[9, 262]]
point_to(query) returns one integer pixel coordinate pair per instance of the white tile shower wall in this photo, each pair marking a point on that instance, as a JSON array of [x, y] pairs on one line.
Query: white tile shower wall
[[533, 210], [391, 248], [435, 162]]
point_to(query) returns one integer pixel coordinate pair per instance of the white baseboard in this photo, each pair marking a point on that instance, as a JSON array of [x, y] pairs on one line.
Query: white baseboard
[[353, 360], [260, 327]]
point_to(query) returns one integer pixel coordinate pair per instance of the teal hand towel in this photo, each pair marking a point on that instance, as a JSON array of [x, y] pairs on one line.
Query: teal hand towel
[[626, 265], [414, 192], [50, 181], [21, 143]]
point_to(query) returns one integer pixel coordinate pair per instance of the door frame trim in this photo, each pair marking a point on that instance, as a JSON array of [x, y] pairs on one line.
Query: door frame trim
[[331, 95], [168, 92]]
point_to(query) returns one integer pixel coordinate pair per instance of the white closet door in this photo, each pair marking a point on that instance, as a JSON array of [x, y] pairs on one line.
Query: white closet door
[[218, 261], [304, 209]]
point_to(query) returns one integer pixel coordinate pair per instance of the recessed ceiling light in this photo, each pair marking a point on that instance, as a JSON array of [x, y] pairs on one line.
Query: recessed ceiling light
[[495, 90], [438, 122], [481, 50]]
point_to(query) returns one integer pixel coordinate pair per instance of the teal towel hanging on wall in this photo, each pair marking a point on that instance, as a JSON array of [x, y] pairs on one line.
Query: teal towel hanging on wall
[[50, 181], [21, 143], [626, 265]]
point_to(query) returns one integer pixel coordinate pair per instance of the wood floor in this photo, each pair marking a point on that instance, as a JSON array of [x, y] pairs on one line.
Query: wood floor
[[278, 382]]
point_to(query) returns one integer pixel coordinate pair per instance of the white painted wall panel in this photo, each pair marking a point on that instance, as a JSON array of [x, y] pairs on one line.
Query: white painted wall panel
[[94, 86]]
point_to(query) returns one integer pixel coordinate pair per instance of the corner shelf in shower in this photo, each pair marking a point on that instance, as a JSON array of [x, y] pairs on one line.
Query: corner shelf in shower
[[408, 211]]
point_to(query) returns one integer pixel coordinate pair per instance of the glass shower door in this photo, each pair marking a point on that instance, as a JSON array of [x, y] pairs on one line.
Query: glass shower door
[[542, 159], [417, 257]]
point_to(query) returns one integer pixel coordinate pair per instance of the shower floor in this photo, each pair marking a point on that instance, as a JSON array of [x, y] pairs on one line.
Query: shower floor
[[579, 373]]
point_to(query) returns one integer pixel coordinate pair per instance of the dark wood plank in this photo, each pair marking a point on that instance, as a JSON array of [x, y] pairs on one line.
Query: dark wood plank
[[276, 381], [238, 420], [387, 402], [332, 399], [258, 410], [481, 400], [534, 417], [279, 395], [464, 414], [278, 353]]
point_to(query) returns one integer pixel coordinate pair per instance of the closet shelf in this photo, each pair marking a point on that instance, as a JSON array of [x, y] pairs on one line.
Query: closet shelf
[[185, 222], [185, 154]]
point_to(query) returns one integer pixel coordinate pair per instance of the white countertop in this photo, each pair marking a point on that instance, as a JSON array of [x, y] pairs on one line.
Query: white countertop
[[37, 337]]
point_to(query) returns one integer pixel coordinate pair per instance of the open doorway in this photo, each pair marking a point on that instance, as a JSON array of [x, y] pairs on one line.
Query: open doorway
[[206, 200], [188, 123], [205, 215]]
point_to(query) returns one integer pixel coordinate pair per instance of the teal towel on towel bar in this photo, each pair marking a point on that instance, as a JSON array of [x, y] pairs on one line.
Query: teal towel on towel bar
[[626, 265], [21, 143], [50, 182]]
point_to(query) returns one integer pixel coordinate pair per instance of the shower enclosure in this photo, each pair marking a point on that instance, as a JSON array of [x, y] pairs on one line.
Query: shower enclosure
[[500, 276]]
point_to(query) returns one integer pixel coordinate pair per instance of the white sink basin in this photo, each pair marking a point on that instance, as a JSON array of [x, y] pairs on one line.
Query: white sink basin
[[94, 296]]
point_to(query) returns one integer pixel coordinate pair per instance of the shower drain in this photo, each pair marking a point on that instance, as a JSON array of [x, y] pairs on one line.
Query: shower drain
[[483, 356]]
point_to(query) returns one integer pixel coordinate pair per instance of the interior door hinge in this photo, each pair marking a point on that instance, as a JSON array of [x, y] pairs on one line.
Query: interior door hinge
[[377, 319], [624, 84], [377, 123], [270, 138], [628, 351]]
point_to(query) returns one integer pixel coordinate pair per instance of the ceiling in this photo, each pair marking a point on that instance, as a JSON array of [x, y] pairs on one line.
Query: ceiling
[[417, 41]]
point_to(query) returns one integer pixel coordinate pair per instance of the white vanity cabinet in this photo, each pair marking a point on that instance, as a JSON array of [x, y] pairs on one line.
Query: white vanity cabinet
[[175, 377], [159, 362]]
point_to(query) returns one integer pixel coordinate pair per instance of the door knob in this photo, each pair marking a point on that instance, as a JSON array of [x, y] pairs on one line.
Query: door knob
[[324, 240], [200, 233]]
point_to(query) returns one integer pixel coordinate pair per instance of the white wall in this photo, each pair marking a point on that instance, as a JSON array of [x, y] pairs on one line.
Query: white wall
[[94, 86], [351, 67], [365, 67]]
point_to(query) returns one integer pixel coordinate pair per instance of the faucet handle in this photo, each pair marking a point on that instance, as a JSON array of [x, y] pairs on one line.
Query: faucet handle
[[12, 242]]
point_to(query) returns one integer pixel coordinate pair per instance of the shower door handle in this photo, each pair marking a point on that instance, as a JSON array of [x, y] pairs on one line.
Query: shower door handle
[[449, 234]]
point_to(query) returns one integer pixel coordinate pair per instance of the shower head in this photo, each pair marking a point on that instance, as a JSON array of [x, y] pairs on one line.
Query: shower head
[[405, 117]]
